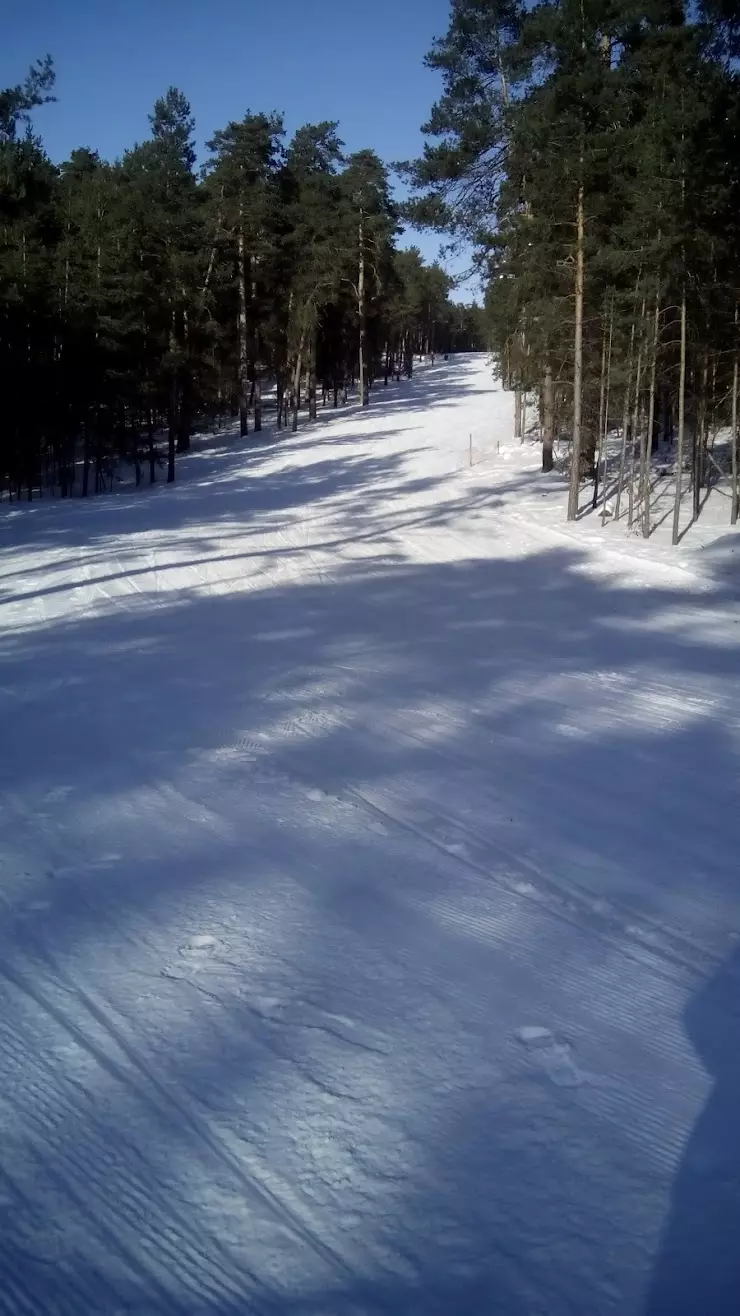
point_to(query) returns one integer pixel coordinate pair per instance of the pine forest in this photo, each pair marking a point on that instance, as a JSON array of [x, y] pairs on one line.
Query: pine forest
[[588, 149], [584, 152], [142, 299]]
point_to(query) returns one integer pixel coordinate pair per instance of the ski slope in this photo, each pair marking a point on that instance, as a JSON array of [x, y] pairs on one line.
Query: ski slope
[[370, 935]]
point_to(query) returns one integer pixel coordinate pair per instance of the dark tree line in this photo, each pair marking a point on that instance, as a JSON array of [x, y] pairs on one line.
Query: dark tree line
[[143, 298], [589, 150]]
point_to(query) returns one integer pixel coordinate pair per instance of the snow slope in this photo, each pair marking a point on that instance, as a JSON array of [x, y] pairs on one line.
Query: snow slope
[[370, 934]]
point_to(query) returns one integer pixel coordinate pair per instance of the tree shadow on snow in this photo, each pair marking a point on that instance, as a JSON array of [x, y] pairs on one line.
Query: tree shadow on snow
[[225, 469], [327, 1110]]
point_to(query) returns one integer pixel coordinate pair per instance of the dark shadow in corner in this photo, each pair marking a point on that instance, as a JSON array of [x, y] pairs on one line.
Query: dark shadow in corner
[[698, 1267]]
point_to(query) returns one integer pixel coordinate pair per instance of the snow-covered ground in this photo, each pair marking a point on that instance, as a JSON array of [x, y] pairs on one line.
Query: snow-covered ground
[[370, 934]]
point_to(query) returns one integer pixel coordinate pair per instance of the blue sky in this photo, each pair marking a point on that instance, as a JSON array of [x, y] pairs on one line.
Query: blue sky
[[309, 59]]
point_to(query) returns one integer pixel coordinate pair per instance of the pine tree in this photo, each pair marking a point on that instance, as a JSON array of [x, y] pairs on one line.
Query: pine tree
[[138, 299], [243, 182], [587, 150], [371, 224]]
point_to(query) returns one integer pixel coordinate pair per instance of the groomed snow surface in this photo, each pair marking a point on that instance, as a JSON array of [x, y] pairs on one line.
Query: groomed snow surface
[[369, 865]]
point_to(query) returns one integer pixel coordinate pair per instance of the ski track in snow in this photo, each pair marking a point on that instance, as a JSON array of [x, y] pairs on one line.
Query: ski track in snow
[[370, 932]]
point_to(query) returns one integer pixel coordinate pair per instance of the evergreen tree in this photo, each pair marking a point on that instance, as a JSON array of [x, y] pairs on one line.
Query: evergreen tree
[[588, 151], [243, 179], [138, 299], [371, 225]]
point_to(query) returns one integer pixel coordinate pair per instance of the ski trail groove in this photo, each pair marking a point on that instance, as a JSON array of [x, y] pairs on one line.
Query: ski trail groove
[[168, 1101]]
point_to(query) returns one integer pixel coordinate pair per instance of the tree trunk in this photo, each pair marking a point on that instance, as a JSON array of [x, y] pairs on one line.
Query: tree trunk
[[172, 412], [667, 416], [152, 457], [548, 431], [296, 390], [86, 463], [518, 413], [243, 341], [681, 424], [647, 446], [256, 396], [635, 426], [257, 402], [312, 411], [604, 399], [172, 437], [625, 419], [699, 441], [575, 457], [184, 415], [635, 421], [98, 461], [363, 389], [734, 504], [62, 467], [183, 428]]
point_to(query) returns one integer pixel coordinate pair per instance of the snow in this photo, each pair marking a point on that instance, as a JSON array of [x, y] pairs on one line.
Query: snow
[[369, 875]]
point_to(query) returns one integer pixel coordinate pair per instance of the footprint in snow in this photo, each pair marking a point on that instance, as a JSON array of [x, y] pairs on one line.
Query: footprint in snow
[[554, 1057], [317, 795], [378, 827], [199, 945]]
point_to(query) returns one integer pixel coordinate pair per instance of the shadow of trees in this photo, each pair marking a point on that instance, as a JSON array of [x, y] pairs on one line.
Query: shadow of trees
[[289, 863]]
